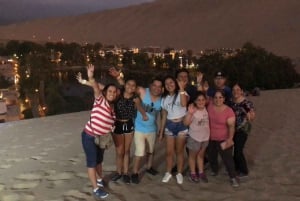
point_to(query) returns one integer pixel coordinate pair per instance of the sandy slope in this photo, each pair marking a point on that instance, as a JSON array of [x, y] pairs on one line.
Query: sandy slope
[[42, 159]]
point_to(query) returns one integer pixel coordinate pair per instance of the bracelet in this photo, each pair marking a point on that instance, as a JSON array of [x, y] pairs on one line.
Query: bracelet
[[83, 82], [182, 92]]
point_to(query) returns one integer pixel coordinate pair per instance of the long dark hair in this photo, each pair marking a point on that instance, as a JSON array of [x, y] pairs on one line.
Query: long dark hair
[[104, 91], [165, 93], [238, 84], [123, 88]]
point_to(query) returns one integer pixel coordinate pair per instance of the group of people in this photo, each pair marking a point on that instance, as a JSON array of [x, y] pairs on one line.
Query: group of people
[[200, 120]]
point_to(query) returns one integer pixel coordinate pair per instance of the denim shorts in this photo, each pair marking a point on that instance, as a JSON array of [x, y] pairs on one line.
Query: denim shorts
[[175, 128], [93, 153]]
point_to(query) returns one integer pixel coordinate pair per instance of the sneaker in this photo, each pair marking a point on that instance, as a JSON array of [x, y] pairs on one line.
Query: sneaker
[[234, 182], [152, 171], [179, 178], [203, 177], [126, 179], [100, 194], [167, 177], [116, 177], [100, 183], [135, 178], [194, 178]]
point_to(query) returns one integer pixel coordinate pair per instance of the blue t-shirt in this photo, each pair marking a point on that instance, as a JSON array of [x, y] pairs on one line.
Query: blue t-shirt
[[152, 109]]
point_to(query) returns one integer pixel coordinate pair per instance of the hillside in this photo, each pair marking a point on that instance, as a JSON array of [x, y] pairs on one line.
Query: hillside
[[187, 24]]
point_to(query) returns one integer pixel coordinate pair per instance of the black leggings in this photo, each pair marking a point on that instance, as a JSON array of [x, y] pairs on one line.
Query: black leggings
[[213, 149], [240, 162]]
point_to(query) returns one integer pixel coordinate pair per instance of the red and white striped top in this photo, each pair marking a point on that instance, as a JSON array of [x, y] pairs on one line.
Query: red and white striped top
[[102, 118]]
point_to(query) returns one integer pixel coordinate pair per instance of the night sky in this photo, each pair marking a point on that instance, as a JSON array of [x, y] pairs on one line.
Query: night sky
[[12, 11]]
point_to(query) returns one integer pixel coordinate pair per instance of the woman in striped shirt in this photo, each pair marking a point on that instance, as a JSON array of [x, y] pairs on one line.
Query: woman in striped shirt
[[100, 123]]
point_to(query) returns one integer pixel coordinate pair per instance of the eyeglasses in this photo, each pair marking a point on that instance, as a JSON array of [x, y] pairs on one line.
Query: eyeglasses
[[218, 97], [152, 108], [149, 107]]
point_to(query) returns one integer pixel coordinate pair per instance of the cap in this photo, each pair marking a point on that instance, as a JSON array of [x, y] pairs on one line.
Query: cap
[[219, 74]]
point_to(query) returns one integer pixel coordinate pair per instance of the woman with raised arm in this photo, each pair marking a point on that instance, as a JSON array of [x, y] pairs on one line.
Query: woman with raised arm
[[126, 108], [100, 123]]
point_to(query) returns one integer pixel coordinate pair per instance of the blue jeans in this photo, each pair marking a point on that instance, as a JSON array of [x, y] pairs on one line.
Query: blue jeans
[[93, 153]]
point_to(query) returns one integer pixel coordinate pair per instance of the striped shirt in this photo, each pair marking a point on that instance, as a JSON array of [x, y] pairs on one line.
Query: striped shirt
[[102, 118]]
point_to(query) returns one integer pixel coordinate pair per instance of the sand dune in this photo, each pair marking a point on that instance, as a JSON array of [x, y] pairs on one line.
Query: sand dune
[[42, 159], [188, 24]]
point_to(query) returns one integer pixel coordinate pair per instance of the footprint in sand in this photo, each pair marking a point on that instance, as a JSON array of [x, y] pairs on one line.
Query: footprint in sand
[[48, 149], [60, 176], [17, 197], [5, 166], [25, 185], [14, 159], [44, 154], [77, 194], [2, 186], [82, 175], [48, 161], [74, 160], [36, 157], [29, 177]]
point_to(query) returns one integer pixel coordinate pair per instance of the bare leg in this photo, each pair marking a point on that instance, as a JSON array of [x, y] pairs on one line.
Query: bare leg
[[92, 177], [192, 161], [200, 160], [99, 170], [136, 165], [170, 152], [149, 160], [120, 149], [128, 142], [180, 144]]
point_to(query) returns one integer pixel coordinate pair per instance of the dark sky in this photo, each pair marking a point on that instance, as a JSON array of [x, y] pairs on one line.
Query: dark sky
[[12, 11]]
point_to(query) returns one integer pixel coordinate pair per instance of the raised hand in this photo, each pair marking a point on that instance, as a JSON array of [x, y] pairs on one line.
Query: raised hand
[[90, 71], [192, 109], [182, 84], [79, 77]]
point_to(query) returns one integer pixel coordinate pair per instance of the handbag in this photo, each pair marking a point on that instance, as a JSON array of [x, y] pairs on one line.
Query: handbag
[[104, 141]]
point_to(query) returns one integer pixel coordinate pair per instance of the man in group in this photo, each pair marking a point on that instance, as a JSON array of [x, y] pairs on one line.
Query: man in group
[[183, 75], [146, 131], [220, 84]]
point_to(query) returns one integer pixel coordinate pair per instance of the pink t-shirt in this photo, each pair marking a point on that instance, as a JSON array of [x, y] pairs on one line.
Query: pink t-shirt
[[199, 127], [218, 122]]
